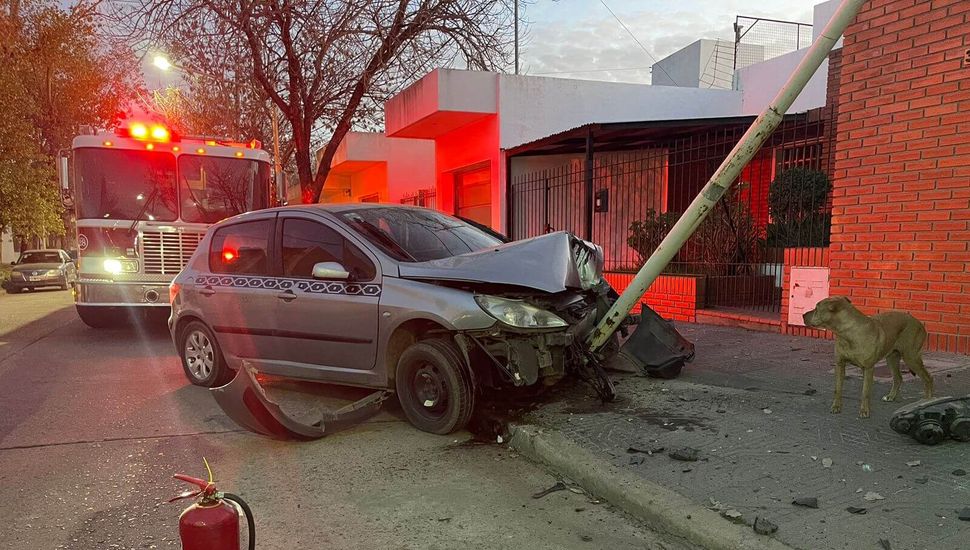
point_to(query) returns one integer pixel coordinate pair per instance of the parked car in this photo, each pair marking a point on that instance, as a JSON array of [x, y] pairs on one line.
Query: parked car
[[386, 297], [42, 268]]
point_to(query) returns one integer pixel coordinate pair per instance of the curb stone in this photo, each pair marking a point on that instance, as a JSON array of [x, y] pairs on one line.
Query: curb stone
[[653, 504]]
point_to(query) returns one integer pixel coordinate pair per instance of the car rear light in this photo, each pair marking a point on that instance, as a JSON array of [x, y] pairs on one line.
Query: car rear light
[[173, 291]]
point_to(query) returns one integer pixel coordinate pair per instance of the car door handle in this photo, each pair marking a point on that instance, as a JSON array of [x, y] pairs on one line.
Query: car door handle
[[286, 296], [206, 291]]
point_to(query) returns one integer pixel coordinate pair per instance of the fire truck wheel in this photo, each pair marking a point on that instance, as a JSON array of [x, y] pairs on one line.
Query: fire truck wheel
[[98, 316], [435, 387], [201, 357]]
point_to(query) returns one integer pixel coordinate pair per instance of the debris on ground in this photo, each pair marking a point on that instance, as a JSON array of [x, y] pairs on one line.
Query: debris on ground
[[964, 514], [811, 391], [808, 502], [959, 472], [913, 463], [922, 480], [650, 452], [687, 454], [733, 515], [885, 544], [866, 468], [764, 527], [856, 510], [715, 505], [586, 538], [766, 410], [559, 486], [637, 460], [872, 496], [826, 462]]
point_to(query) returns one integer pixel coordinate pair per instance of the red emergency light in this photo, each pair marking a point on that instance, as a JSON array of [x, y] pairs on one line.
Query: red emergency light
[[147, 132]]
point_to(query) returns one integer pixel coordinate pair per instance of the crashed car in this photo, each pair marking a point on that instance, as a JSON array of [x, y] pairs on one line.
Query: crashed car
[[396, 298]]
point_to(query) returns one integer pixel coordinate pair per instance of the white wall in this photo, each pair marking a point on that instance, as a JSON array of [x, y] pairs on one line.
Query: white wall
[[820, 17], [534, 107], [681, 68], [759, 83], [7, 254]]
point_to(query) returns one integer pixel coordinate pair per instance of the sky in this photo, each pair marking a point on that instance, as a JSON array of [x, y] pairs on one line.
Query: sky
[[582, 35]]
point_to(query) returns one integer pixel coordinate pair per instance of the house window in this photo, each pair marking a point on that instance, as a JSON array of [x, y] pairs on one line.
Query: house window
[[373, 197], [473, 194]]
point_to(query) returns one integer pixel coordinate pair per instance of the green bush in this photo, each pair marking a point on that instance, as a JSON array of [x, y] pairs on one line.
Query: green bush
[[796, 201], [646, 235]]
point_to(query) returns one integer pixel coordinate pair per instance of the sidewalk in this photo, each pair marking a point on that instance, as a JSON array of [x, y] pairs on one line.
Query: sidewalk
[[756, 405]]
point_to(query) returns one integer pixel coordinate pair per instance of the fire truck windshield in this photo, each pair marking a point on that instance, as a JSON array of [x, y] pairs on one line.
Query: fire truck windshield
[[120, 184], [214, 188]]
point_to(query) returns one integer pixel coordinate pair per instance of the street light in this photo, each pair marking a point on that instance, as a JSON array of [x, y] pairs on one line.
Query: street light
[[162, 63]]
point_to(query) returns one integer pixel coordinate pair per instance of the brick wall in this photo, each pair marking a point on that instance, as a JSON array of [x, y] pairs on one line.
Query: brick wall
[[901, 198], [673, 297]]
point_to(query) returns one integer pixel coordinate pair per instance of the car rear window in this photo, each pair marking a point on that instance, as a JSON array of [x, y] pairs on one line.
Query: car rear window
[[241, 248]]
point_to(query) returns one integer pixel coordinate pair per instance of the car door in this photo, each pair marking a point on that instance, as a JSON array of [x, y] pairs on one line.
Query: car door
[[326, 323], [237, 294]]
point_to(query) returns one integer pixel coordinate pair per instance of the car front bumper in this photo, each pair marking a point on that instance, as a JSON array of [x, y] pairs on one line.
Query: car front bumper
[[115, 293], [27, 281]]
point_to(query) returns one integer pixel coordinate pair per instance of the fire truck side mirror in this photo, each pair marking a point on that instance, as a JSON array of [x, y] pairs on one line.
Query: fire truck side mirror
[[62, 172], [281, 188]]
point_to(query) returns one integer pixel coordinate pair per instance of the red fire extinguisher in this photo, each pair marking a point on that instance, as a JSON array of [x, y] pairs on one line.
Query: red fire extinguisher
[[212, 523]]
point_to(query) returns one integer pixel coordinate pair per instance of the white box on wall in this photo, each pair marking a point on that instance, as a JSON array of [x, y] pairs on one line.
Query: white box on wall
[[808, 285]]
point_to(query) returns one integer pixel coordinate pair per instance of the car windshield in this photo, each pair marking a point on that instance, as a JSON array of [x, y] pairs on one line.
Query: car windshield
[[124, 184], [213, 188], [417, 235], [40, 258]]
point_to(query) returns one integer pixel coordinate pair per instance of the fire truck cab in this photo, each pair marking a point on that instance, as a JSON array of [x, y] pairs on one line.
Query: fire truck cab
[[143, 198]]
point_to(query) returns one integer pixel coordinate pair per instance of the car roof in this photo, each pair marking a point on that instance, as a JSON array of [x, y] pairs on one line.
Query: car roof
[[333, 208], [41, 250]]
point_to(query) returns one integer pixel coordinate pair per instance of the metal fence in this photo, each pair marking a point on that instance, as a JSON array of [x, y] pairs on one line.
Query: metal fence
[[757, 39], [629, 200], [423, 197]]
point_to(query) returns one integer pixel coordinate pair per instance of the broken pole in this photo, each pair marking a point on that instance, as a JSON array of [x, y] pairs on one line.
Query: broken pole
[[725, 175]]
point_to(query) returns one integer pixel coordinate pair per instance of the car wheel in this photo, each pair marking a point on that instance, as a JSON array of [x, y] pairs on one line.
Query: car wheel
[[201, 357], [434, 387]]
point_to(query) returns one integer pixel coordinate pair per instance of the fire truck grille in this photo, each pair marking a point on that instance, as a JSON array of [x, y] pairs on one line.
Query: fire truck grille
[[167, 253]]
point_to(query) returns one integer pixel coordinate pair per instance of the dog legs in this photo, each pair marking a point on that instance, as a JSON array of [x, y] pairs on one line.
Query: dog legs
[[915, 363], [867, 375], [839, 379], [893, 361]]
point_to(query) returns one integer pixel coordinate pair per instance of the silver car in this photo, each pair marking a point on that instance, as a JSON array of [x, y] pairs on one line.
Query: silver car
[[42, 268], [389, 297]]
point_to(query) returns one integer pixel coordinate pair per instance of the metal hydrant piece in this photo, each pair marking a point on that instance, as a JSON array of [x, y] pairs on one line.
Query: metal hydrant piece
[[935, 420]]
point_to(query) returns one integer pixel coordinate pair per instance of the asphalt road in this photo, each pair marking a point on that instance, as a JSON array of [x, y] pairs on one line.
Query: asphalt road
[[93, 423]]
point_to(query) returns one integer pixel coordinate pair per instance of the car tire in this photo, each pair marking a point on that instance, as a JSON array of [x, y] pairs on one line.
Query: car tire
[[435, 387], [201, 356]]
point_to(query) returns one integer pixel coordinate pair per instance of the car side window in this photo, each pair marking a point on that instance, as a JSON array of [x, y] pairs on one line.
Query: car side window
[[306, 243], [241, 248]]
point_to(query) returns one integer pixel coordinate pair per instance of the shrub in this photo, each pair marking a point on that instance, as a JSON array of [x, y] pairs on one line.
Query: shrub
[[796, 201]]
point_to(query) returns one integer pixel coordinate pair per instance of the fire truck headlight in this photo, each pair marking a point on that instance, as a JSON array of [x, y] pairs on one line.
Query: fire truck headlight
[[112, 266]]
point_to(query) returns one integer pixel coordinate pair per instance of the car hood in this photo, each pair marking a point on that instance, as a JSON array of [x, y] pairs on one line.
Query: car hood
[[36, 267], [546, 263]]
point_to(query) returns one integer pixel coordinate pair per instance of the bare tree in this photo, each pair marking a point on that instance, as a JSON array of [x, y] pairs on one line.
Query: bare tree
[[327, 65]]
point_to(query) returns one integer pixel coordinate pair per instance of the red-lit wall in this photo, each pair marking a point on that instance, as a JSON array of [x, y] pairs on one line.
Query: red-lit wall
[[469, 146]]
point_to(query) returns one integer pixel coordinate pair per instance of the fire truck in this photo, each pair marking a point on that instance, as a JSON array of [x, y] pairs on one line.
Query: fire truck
[[143, 197]]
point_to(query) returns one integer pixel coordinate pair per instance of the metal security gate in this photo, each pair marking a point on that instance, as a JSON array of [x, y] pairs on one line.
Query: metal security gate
[[627, 200]]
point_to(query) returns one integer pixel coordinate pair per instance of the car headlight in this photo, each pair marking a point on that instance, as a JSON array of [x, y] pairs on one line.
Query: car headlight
[[53, 272], [112, 266], [518, 314]]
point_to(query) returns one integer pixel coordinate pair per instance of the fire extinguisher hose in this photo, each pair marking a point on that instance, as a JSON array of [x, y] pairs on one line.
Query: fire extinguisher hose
[[250, 524]]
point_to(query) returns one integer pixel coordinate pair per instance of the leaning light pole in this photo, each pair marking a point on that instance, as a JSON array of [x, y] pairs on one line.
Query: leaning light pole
[[725, 175]]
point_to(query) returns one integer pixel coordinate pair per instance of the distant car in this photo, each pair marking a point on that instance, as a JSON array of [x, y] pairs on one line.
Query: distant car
[[42, 268], [387, 297]]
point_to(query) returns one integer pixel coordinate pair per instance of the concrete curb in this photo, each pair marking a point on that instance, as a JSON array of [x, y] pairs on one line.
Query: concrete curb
[[657, 506]]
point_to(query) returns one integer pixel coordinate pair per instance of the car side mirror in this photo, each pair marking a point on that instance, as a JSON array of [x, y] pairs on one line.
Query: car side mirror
[[330, 270]]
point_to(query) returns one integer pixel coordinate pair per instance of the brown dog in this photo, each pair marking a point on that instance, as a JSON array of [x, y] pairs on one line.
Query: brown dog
[[862, 341]]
